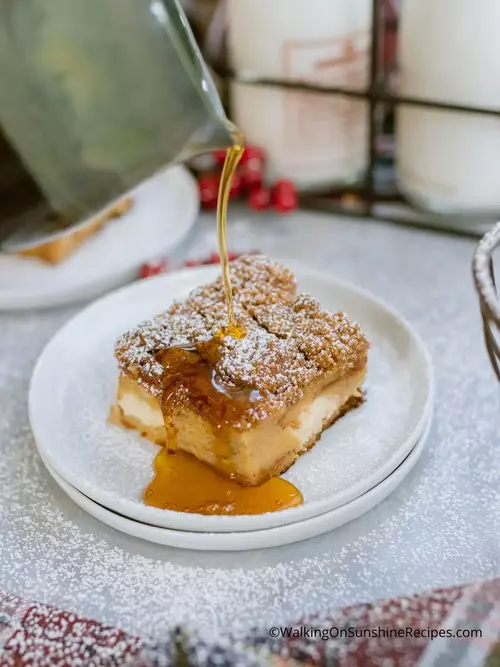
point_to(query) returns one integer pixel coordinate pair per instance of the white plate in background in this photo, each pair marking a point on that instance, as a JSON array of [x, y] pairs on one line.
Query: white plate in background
[[165, 210], [75, 379]]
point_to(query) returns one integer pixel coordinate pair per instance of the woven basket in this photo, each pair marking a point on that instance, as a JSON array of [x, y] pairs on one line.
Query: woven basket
[[484, 278]]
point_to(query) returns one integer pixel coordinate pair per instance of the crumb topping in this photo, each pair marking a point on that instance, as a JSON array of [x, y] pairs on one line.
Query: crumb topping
[[331, 341], [290, 340], [255, 279]]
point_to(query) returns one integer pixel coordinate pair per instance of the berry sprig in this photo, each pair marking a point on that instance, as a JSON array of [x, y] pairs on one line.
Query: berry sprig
[[248, 183], [157, 267]]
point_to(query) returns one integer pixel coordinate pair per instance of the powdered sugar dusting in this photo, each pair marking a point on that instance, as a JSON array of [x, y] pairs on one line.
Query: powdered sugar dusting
[[290, 341], [35, 634], [439, 528]]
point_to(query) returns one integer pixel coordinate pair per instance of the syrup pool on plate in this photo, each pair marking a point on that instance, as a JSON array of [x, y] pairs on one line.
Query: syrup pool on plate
[[184, 484]]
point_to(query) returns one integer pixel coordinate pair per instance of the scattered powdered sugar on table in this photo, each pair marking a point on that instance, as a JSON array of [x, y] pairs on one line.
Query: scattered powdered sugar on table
[[440, 527]]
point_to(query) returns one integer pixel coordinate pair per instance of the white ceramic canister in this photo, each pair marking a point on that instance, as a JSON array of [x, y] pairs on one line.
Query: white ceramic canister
[[316, 140], [449, 51]]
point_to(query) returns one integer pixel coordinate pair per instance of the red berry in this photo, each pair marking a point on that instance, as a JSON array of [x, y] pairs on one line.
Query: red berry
[[210, 204], [252, 152], [214, 258], [151, 269], [209, 190], [253, 175], [253, 167], [259, 199], [253, 181], [285, 197], [220, 156], [236, 186], [192, 262], [232, 256]]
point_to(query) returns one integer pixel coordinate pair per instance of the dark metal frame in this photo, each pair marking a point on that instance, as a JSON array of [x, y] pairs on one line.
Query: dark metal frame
[[368, 199]]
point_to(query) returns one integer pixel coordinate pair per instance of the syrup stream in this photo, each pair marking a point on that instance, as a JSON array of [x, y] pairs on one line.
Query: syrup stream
[[233, 157], [182, 482]]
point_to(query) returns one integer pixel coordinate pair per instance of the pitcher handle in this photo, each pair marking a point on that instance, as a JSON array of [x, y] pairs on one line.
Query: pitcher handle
[[484, 278]]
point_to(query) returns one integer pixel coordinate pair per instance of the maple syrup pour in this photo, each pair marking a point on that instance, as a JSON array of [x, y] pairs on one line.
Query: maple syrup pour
[[233, 157], [184, 484]]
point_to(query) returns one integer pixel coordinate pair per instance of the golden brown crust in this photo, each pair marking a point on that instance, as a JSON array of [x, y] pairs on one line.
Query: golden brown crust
[[56, 251], [290, 341], [255, 280]]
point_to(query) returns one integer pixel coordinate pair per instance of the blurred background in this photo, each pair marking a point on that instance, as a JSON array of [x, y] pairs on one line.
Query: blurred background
[[376, 109], [345, 103], [357, 148]]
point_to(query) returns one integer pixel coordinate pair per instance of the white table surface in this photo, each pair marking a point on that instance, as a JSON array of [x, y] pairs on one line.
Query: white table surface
[[441, 527]]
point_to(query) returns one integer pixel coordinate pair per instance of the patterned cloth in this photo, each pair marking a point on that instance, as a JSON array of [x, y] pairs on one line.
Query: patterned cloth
[[425, 631]]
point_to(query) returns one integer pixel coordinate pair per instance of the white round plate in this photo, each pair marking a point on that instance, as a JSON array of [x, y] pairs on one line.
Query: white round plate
[[165, 211], [75, 379], [259, 539]]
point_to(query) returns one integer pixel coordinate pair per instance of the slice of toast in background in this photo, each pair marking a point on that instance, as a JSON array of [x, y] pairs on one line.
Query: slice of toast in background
[[56, 251]]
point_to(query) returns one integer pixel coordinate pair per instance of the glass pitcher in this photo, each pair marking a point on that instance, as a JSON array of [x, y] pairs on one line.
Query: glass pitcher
[[97, 96]]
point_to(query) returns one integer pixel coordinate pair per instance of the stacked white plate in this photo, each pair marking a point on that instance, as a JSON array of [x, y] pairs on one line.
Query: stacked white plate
[[357, 463], [161, 220]]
